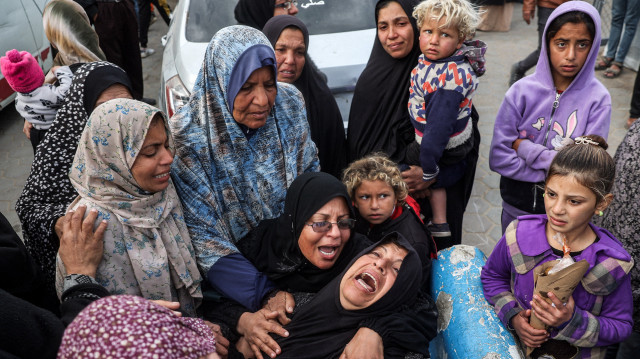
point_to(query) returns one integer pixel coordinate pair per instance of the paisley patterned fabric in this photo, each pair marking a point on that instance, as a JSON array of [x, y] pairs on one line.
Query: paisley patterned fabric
[[48, 191], [622, 218], [147, 248], [229, 181], [126, 327]]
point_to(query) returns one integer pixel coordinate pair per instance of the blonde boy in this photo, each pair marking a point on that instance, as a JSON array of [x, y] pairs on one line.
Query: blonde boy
[[442, 86]]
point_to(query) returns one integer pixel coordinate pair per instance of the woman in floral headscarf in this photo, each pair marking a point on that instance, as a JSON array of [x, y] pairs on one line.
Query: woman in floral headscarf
[[241, 141], [121, 169]]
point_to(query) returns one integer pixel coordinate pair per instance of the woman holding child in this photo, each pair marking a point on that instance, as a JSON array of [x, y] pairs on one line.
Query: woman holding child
[[379, 119], [48, 191]]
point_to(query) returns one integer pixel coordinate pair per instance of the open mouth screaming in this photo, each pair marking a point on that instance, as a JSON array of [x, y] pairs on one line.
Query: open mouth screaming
[[367, 281]]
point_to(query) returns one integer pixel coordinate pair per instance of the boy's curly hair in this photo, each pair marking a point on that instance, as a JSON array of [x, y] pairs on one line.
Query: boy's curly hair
[[459, 14], [375, 167]]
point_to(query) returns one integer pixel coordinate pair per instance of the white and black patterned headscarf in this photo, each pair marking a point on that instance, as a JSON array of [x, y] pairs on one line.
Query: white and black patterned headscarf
[[48, 191]]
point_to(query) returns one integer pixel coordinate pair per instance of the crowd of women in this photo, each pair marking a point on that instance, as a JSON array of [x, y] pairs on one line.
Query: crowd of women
[[214, 233]]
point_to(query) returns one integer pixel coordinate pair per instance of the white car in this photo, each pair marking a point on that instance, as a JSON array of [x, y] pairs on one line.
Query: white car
[[21, 29], [341, 37]]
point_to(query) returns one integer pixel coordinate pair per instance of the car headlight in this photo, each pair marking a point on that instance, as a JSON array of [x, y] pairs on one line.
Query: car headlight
[[176, 95]]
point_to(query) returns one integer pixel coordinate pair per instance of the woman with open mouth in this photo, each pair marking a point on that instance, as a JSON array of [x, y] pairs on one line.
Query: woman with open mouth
[[295, 256], [378, 282]]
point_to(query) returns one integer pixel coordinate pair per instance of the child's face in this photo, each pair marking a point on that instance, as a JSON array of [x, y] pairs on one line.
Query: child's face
[[569, 205], [438, 43], [568, 50], [375, 200], [371, 276]]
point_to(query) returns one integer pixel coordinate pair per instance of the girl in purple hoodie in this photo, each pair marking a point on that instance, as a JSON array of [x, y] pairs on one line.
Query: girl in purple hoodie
[[599, 311], [560, 101]]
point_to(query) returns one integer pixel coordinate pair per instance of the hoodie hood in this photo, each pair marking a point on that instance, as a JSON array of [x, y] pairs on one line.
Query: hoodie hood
[[543, 68]]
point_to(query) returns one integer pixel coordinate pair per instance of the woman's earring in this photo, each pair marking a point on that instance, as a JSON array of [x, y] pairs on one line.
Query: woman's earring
[[600, 213], [543, 195]]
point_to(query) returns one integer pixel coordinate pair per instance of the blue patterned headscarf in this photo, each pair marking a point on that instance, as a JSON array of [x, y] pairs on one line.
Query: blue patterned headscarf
[[229, 182]]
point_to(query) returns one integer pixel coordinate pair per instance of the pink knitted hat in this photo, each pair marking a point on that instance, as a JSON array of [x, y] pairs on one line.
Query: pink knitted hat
[[21, 71]]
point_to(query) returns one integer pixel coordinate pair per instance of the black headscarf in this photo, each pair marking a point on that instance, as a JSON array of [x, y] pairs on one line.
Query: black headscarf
[[254, 13], [99, 80], [323, 114], [273, 246], [322, 328], [379, 119]]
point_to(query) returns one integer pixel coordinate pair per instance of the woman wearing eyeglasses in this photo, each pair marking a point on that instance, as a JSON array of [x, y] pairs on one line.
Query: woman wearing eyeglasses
[[299, 252], [256, 13]]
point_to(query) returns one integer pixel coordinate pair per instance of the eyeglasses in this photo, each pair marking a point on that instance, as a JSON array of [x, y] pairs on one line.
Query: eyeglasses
[[287, 4], [322, 227]]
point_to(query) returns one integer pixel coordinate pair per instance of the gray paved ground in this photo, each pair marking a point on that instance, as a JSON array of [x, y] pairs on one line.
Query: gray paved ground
[[482, 219]]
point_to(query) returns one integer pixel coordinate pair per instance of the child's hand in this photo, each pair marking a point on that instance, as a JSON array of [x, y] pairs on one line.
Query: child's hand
[[528, 15], [554, 314], [516, 143], [529, 335], [26, 129], [54, 69]]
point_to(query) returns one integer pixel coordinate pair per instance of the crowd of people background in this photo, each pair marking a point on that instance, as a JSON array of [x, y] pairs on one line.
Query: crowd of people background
[[247, 224]]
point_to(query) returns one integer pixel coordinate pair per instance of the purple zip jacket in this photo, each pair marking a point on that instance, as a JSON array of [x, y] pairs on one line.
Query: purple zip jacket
[[532, 109], [603, 302]]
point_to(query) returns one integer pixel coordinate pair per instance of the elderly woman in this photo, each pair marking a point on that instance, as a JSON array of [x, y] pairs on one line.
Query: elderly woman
[[48, 191], [290, 40], [241, 140], [255, 13], [121, 169], [379, 119], [300, 252]]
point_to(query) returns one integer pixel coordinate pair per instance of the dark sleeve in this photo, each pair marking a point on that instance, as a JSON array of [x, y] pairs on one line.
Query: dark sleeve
[[27, 331], [237, 278], [76, 298], [442, 107], [22, 277], [89, 7], [408, 330]]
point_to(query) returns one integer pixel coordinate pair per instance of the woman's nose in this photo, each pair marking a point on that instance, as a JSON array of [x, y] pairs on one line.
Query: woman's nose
[[392, 32], [260, 97], [293, 9], [167, 157], [571, 53]]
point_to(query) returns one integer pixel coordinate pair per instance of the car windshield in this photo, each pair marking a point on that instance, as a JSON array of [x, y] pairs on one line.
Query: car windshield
[[206, 17]]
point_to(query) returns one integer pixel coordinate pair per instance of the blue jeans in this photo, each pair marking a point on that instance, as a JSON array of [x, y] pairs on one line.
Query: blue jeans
[[630, 348], [625, 12]]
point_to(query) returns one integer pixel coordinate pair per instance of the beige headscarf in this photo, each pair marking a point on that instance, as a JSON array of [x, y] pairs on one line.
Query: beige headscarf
[[68, 29], [147, 248]]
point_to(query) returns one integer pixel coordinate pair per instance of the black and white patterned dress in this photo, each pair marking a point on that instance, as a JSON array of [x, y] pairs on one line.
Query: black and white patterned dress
[[48, 191], [622, 218]]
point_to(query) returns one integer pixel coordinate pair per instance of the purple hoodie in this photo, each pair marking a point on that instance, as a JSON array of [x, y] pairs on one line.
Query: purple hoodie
[[603, 302], [528, 111]]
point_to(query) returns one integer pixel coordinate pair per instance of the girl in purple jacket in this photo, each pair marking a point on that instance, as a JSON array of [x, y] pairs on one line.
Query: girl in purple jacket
[[560, 101], [599, 311]]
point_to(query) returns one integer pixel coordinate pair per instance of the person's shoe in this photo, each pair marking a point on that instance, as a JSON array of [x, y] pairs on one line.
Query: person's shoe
[[515, 74], [153, 18], [149, 101], [439, 229], [146, 51]]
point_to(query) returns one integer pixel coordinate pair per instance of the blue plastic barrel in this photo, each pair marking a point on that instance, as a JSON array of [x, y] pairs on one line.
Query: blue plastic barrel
[[468, 327]]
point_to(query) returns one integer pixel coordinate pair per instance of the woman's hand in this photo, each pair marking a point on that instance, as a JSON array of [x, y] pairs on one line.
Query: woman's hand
[[365, 344], [81, 247], [255, 328], [222, 344], [282, 303], [554, 314], [413, 178], [529, 335], [172, 306]]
